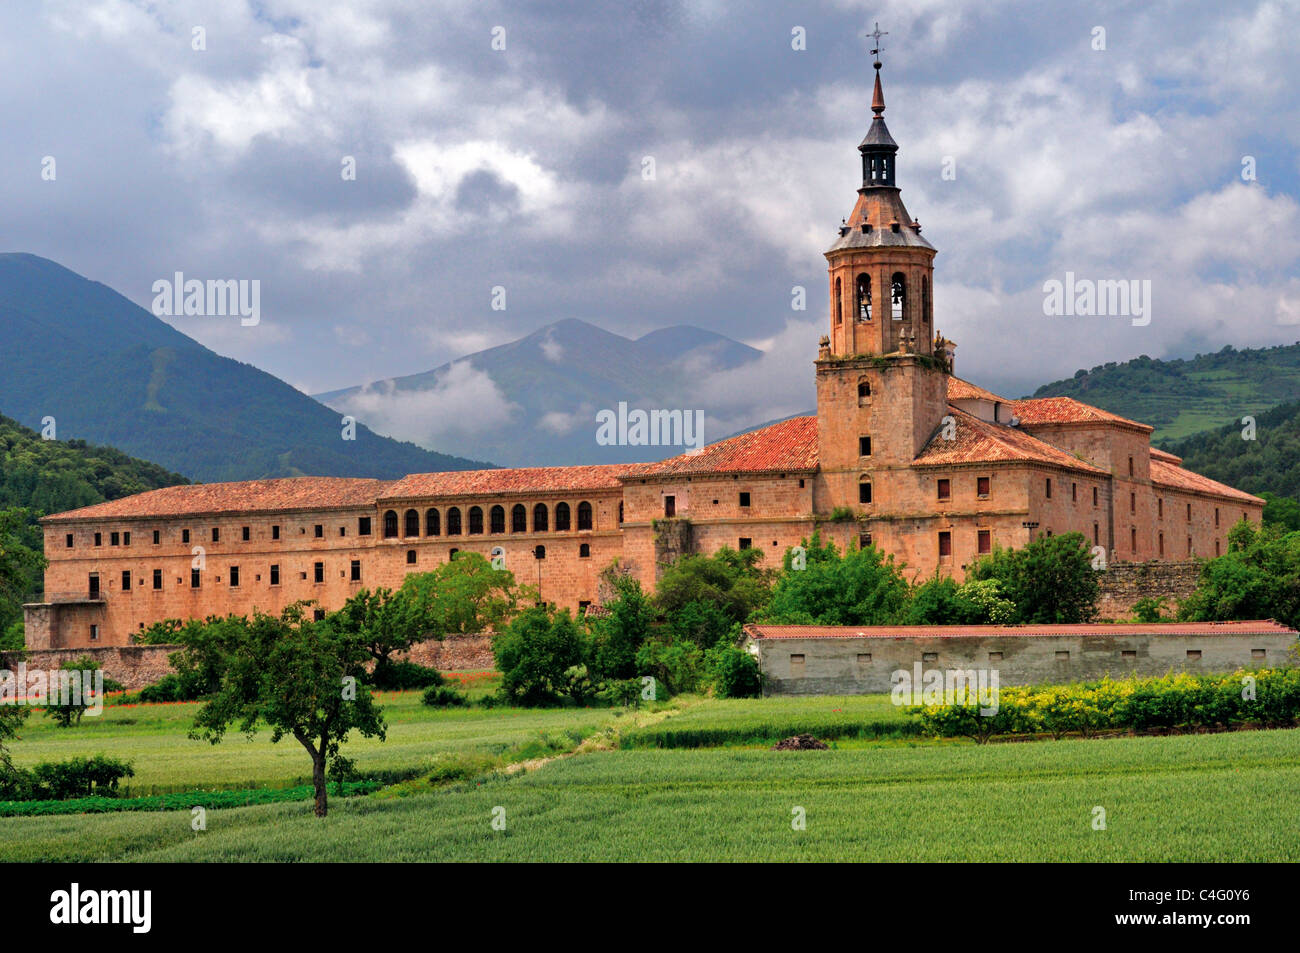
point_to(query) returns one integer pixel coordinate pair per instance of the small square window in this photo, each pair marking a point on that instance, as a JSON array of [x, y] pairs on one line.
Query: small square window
[[1193, 654], [1128, 653], [995, 656], [1063, 655], [744, 499], [929, 656], [1257, 653], [746, 543]]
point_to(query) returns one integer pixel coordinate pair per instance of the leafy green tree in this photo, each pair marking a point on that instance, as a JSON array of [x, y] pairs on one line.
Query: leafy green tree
[[1149, 609], [941, 601], [703, 597], [862, 587], [536, 654], [622, 632], [1257, 578], [67, 712], [1050, 580], [21, 565], [302, 678], [732, 672], [1281, 511], [12, 780]]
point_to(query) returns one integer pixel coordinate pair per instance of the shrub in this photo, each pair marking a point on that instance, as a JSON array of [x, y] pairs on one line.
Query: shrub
[[443, 696], [674, 663], [79, 777], [172, 688], [733, 673], [401, 676], [534, 653]]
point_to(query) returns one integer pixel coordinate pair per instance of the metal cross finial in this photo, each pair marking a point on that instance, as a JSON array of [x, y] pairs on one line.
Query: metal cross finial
[[876, 35]]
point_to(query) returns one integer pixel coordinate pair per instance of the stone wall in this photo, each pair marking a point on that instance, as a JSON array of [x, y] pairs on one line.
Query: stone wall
[[136, 666], [1123, 584], [851, 666]]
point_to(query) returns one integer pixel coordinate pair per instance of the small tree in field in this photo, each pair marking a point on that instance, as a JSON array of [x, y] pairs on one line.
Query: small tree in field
[[302, 678]]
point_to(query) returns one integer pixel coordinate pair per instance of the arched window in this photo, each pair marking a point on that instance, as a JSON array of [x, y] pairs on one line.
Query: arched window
[[925, 300], [562, 517], [519, 518], [412, 523], [498, 519], [864, 392], [864, 297], [584, 515], [475, 520], [432, 523], [898, 296], [839, 301], [540, 522], [539, 552], [453, 521], [584, 551], [390, 524]]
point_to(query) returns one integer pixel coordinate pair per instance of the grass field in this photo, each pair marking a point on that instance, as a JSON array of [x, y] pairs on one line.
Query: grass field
[[1200, 797], [877, 795]]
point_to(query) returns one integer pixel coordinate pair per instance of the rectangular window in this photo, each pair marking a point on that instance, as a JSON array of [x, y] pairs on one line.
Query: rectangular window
[[94, 585], [126, 538], [69, 540], [744, 499], [864, 658], [746, 543], [1094, 496], [244, 533], [1258, 653], [1130, 466], [1133, 538], [234, 577], [275, 532], [1128, 653], [99, 539], [1189, 512], [995, 656], [410, 557], [94, 633], [1074, 493], [945, 490], [796, 665], [1132, 502], [982, 487], [363, 526], [1194, 654], [320, 531], [864, 540], [929, 656], [157, 537], [356, 570], [216, 534], [275, 575], [194, 579], [985, 541], [318, 615], [945, 544], [185, 536], [114, 539], [1063, 655], [126, 580], [864, 492], [319, 571], [1216, 516], [864, 446], [1049, 488], [1096, 534], [670, 506], [157, 578]]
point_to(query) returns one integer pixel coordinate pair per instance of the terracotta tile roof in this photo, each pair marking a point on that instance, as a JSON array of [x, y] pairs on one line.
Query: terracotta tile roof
[[248, 496], [1158, 454], [1253, 627], [959, 389], [1067, 410], [511, 480], [790, 445], [1167, 474], [978, 441]]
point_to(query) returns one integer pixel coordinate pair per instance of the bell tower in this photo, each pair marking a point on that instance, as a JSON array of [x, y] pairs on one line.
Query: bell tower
[[881, 385]]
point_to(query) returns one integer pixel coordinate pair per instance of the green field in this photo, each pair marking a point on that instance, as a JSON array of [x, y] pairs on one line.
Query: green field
[[1191, 797]]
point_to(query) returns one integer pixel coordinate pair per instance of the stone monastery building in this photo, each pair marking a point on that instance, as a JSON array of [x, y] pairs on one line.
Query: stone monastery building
[[902, 455]]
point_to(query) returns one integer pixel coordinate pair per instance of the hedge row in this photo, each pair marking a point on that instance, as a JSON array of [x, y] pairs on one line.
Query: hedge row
[[1268, 697], [185, 801]]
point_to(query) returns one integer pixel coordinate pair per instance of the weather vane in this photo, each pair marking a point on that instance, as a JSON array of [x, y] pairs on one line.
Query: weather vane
[[876, 35]]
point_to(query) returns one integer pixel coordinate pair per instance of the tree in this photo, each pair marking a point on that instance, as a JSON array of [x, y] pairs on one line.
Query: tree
[[67, 708], [1051, 580], [862, 587], [621, 633], [537, 654], [21, 566], [1257, 578], [302, 678], [11, 778], [941, 601], [703, 597]]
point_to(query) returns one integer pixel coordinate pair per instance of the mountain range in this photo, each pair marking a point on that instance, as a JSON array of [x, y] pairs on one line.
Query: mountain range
[[108, 371], [539, 395]]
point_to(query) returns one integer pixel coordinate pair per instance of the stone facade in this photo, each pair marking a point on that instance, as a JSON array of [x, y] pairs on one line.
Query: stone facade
[[808, 660], [901, 455], [1124, 584]]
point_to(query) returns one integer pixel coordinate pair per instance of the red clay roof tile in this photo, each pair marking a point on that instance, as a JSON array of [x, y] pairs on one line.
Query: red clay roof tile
[[978, 441], [790, 445], [1167, 474], [516, 480], [1250, 627], [1067, 410], [247, 496]]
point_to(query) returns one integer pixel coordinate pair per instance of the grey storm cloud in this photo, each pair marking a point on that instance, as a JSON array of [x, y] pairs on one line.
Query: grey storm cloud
[[521, 168]]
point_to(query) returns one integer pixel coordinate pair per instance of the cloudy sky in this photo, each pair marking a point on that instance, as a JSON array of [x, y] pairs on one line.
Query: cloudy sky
[[522, 168]]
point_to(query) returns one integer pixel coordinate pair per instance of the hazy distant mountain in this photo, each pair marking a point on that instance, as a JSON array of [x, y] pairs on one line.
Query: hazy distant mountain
[[110, 372], [535, 400]]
